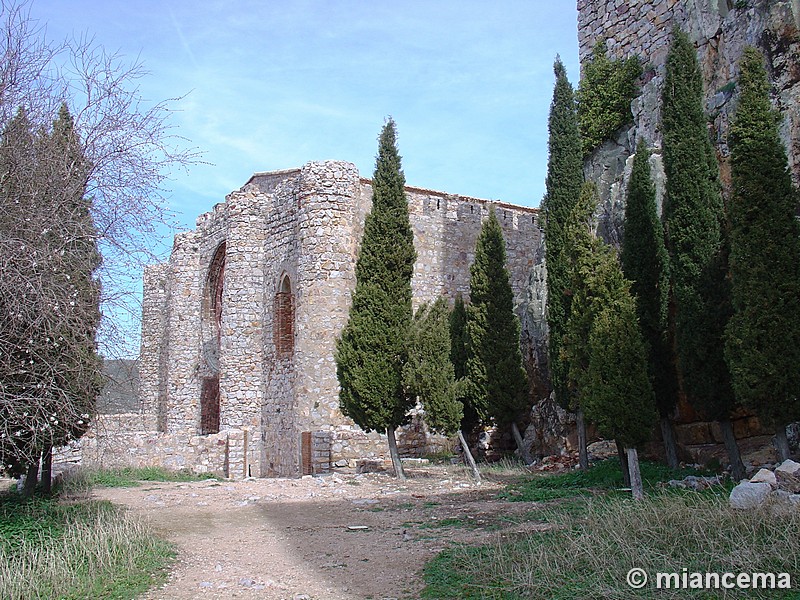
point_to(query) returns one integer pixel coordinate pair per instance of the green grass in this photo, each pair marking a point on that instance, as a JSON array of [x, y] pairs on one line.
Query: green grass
[[446, 522], [443, 457], [603, 476], [133, 477], [75, 550], [589, 555]]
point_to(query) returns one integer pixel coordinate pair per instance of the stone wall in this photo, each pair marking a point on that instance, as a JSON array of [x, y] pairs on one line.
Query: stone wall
[[297, 233], [130, 440]]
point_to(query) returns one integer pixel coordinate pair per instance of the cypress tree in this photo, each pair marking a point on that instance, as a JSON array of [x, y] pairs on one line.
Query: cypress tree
[[603, 346], [372, 349], [429, 373], [458, 355], [563, 189], [50, 367], [762, 342], [458, 337], [79, 371], [497, 381], [645, 263], [695, 225]]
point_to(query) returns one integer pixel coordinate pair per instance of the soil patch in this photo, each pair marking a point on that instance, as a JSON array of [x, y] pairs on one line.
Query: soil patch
[[338, 537]]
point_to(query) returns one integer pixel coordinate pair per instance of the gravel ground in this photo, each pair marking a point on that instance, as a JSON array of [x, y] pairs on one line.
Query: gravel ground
[[336, 537]]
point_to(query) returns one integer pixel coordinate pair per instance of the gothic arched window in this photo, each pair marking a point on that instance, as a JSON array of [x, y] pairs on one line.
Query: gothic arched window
[[283, 332], [209, 392]]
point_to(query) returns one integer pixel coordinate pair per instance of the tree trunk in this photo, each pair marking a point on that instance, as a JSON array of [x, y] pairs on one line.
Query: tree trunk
[[637, 489], [670, 447], [476, 475], [398, 466], [623, 462], [734, 456], [524, 453], [31, 477], [47, 471], [583, 455], [782, 443]]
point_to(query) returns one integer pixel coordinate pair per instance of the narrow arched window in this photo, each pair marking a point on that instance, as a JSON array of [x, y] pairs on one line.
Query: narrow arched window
[[212, 332], [283, 331], [215, 286]]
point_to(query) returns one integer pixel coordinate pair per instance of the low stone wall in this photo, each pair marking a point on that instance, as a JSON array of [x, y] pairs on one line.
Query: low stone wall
[[131, 440], [351, 444]]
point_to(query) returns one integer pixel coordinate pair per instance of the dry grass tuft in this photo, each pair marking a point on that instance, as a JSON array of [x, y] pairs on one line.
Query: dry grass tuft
[[589, 552]]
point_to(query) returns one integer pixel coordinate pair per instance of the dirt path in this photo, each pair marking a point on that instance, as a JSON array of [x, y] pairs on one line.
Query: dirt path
[[336, 537]]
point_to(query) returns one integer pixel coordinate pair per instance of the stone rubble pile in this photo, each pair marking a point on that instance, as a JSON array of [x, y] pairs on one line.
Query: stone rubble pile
[[696, 483], [782, 484]]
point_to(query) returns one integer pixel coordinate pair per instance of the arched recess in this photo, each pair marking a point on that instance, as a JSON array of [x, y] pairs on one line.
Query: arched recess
[[283, 323], [212, 334]]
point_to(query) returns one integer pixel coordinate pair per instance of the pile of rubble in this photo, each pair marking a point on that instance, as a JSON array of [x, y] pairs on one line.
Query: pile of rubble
[[782, 484], [555, 464]]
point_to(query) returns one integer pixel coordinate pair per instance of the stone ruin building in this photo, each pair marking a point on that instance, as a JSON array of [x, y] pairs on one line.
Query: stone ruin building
[[239, 325]]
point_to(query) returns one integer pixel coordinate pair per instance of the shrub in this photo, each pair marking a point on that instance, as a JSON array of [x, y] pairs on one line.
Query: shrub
[[604, 96]]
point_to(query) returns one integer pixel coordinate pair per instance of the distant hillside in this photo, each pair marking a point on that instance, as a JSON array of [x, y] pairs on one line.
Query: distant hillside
[[121, 393]]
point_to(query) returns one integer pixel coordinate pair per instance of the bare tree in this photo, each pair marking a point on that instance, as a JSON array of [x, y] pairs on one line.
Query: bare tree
[[83, 163]]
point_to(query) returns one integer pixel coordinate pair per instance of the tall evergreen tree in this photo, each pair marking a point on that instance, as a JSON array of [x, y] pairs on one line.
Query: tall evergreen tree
[[49, 364], [429, 373], [563, 189], [763, 336], [497, 381], [372, 349], [694, 226], [603, 346], [645, 262], [458, 355]]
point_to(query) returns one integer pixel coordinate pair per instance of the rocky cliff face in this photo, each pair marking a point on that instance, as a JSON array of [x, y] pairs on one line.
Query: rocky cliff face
[[720, 29]]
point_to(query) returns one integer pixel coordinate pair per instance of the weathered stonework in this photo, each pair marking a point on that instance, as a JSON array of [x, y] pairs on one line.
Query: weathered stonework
[[277, 259], [291, 237], [720, 32]]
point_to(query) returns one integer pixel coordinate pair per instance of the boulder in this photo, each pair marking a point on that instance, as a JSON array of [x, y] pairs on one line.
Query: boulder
[[788, 482], [693, 482], [788, 466], [749, 495], [551, 430], [765, 476], [602, 449], [786, 497]]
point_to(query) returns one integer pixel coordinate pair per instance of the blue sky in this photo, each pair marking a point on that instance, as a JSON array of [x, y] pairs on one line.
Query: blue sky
[[274, 84]]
